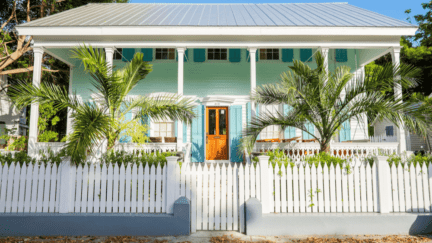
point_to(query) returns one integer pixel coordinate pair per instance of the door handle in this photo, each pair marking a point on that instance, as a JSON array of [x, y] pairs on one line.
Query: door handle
[[206, 139]]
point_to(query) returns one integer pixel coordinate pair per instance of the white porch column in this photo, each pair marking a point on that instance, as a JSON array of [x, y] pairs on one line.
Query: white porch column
[[34, 110], [69, 119], [180, 77], [365, 118], [325, 52], [109, 55], [252, 57], [398, 95]]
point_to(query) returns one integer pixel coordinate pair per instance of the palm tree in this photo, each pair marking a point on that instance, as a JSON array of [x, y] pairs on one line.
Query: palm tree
[[104, 118], [328, 99]]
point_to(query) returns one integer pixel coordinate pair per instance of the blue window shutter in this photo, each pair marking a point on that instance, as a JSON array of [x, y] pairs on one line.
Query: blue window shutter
[[345, 133], [175, 129], [127, 54], [198, 135], [248, 57], [311, 129], [306, 55], [185, 56], [235, 132], [199, 55], [148, 54], [287, 55], [341, 55], [289, 131], [234, 55], [124, 138], [184, 132]]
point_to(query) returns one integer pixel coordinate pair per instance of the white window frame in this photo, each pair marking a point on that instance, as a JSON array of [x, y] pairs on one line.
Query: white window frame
[[264, 134]]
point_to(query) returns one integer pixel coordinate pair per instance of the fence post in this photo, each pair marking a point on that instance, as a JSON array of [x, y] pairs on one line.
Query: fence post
[[384, 193], [66, 186], [171, 183], [266, 195]]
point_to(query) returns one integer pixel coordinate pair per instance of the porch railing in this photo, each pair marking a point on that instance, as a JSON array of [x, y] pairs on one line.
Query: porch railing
[[343, 150], [383, 139]]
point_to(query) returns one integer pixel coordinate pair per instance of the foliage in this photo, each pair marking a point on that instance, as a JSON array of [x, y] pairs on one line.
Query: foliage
[[325, 159], [22, 158], [48, 119], [328, 99], [138, 158], [413, 159], [7, 133], [18, 144], [104, 120], [136, 130]]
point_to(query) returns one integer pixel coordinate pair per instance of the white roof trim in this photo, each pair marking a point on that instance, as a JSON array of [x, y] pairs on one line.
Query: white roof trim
[[220, 31]]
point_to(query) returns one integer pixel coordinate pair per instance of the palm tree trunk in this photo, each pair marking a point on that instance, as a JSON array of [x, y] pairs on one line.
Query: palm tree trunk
[[325, 147]]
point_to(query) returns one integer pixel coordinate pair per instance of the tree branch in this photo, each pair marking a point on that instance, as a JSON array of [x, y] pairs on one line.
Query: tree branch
[[11, 17]]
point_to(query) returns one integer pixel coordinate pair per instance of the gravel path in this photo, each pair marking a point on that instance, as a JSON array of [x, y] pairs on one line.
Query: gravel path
[[224, 237]]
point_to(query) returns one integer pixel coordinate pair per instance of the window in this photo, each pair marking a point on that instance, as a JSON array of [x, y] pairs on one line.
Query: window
[[164, 129], [269, 132], [216, 54], [118, 54], [269, 54], [389, 130], [165, 53]]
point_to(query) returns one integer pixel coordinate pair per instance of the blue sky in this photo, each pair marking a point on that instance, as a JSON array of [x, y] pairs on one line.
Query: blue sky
[[391, 8]]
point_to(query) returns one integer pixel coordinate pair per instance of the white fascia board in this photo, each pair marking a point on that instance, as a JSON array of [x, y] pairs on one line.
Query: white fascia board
[[222, 31], [332, 45]]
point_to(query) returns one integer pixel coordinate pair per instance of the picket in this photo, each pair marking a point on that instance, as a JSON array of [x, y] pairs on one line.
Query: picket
[[230, 198], [110, 184], [407, 190], [320, 195], [28, 188], [211, 197], [199, 207], [193, 197], [241, 202], [277, 206], [225, 196], [302, 189], [351, 191], [326, 190], [46, 189], [34, 187], [127, 192], [97, 191], [338, 189], [3, 181], [205, 215], [22, 189], [369, 188], [314, 189], [236, 202], [418, 179], [116, 189], [146, 185], [296, 190], [102, 206], [345, 197], [152, 188], [425, 188], [363, 189], [413, 189], [332, 189], [158, 192], [283, 189], [217, 199], [308, 189]]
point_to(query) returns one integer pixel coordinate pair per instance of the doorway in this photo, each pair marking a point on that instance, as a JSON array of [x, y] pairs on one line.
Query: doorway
[[217, 133]]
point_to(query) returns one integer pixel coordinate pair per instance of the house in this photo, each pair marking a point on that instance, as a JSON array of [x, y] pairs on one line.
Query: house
[[217, 54], [10, 117], [414, 141]]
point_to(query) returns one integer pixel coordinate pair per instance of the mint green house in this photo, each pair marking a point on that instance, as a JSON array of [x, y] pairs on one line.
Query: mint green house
[[217, 54]]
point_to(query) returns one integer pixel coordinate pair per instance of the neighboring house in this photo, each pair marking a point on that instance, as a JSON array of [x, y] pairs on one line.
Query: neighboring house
[[217, 54], [414, 141], [10, 117]]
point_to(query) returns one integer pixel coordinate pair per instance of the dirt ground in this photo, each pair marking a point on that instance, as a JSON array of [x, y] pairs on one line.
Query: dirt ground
[[225, 238]]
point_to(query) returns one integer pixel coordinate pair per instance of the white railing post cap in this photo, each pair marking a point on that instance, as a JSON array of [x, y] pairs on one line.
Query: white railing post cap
[[171, 159]]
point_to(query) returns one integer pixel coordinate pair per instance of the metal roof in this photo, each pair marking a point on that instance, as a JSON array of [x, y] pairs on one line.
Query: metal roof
[[152, 14]]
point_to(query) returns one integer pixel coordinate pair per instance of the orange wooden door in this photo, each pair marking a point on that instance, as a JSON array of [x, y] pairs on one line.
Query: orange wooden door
[[217, 133]]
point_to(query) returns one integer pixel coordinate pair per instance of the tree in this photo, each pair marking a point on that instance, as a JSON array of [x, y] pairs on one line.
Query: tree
[[104, 118], [14, 47], [327, 100]]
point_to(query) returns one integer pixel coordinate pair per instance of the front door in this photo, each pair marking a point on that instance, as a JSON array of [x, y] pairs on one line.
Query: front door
[[217, 133]]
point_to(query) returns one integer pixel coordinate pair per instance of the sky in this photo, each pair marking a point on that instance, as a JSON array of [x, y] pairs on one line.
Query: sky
[[392, 8]]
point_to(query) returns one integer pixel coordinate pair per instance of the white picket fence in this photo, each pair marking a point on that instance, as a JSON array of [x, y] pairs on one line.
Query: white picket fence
[[217, 192], [31, 188]]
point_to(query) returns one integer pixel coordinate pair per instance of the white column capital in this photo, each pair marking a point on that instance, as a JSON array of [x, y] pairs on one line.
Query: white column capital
[[181, 49], [252, 49], [109, 49], [324, 49], [397, 49], [38, 50]]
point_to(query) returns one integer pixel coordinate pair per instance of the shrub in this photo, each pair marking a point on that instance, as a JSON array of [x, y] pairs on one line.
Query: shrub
[[138, 157]]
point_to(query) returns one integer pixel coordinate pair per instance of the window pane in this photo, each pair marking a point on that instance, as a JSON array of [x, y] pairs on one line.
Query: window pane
[[212, 122], [210, 56], [222, 122], [269, 56], [223, 56], [171, 55], [217, 56], [210, 50], [276, 56], [164, 55], [158, 56], [217, 50], [224, 50], [263, 56]]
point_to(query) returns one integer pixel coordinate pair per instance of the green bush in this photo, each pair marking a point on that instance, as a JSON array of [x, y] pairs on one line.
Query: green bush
[[138, 157], [413, 159], [325, 159]]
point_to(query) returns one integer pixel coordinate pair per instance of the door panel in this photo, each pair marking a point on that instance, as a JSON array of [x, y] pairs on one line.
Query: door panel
[[217, 133]]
